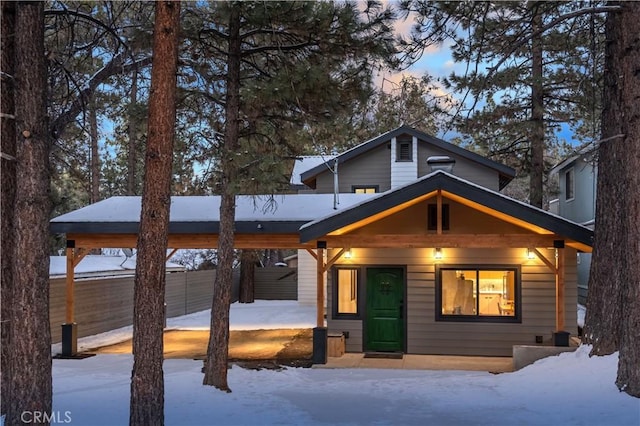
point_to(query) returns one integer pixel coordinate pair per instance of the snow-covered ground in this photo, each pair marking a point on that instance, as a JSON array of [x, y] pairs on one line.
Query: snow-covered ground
[[570, 389]]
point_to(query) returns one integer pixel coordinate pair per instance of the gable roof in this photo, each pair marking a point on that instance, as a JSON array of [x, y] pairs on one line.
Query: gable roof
[[304, 163], [506, 173], [461, 190]]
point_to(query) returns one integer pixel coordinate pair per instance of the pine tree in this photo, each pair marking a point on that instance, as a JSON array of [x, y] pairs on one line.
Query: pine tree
[[530, 68], [30, 387], [147, 382], [613, 307]]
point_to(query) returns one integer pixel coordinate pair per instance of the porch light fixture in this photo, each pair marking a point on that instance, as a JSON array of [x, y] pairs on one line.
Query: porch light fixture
[[531, 254], [437, 254], [348, 254]]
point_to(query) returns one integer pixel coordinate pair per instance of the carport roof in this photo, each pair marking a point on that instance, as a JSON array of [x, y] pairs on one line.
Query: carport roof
[[201, 214]]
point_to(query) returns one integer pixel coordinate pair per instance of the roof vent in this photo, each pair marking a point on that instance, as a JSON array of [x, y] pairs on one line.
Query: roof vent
[[441, 162]]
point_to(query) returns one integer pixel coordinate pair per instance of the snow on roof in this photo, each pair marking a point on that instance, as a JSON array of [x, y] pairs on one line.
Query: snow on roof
[[304, 163], [98, 265], [287, 207]]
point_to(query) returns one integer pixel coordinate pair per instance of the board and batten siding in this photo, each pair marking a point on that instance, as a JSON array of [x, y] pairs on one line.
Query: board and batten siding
[[425, 335], [403, 172], [371, 168]]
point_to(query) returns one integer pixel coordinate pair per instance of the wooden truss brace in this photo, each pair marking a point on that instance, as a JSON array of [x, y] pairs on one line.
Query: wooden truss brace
[[321, 268], [559, 271]]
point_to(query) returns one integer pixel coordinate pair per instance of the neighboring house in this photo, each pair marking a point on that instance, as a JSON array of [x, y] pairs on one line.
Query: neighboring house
[[576, 201], [421, 253]]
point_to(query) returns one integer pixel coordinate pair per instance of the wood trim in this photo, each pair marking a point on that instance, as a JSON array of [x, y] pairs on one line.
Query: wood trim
[[439, 212], [79, 254], [171, 254], [560, 287], [444, 241], [312, 253], [320, 288], [333, 260], [69, 297], [544, 260], [193, 241]]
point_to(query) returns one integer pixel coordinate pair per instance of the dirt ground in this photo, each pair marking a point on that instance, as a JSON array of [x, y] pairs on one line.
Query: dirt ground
[[247, 348]]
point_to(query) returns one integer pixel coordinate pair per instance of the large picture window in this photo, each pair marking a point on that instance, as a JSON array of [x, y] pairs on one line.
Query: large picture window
[[346, 289], [478, 293]]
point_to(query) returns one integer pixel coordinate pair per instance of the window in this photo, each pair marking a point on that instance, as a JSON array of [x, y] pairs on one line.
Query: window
[[569, 184], [405, 150], [432, 217], [346, 285], [365, 189], [470, 293]]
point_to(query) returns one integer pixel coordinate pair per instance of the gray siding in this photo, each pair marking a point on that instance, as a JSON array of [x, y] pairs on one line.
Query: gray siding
[[372, 168], [581, 208], [466, 169], [276, 283], [425, 335], [106, 304]]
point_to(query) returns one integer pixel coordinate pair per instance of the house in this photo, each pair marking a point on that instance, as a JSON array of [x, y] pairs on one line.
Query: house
[[418, 252], [577, 178]]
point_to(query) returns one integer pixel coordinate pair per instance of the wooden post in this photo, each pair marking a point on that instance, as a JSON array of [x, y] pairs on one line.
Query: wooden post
[[70, 301], [560, 262], [320, 287], [439, 212]]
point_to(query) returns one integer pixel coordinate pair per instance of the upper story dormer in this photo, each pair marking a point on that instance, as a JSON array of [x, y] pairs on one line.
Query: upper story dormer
[[576, 177], [394, 159]]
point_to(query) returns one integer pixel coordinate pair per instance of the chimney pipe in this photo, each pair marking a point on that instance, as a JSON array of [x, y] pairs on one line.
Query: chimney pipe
[[441, 162]]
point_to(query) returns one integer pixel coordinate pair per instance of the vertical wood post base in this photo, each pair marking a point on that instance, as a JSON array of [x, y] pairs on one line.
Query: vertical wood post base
[[69, 339], [319, 345]]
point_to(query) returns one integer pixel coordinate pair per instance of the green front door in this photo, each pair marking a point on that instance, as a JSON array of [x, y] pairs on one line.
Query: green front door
[[384, 327]]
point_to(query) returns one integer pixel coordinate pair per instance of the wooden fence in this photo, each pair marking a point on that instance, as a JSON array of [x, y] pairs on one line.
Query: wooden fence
[[107, 303]]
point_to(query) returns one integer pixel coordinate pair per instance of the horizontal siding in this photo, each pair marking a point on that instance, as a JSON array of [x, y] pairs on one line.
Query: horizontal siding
[[464, 168], [372, 168], [276, 283], [425, 335], [307, 278], [106, 304]]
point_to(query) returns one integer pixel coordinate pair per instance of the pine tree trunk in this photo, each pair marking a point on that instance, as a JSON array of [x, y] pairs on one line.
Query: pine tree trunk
[[607, 275], [8, 188], [132, 160], [147, 382], [622, 96], [215, 368], [537, 112], [248, 260], [30, 335], [95, 158]]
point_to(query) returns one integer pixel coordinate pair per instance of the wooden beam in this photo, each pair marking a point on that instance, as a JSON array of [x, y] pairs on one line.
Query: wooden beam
[[333, 260], [312, 253], [560, 287], [545, 260], [69, 297], [79, 254], [172, 253], [320, 288], [193, 241], [444, 241]]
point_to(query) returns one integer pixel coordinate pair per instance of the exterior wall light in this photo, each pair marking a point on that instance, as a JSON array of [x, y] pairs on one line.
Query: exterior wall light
[[348, 254], [531, 254], [437, 254]]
